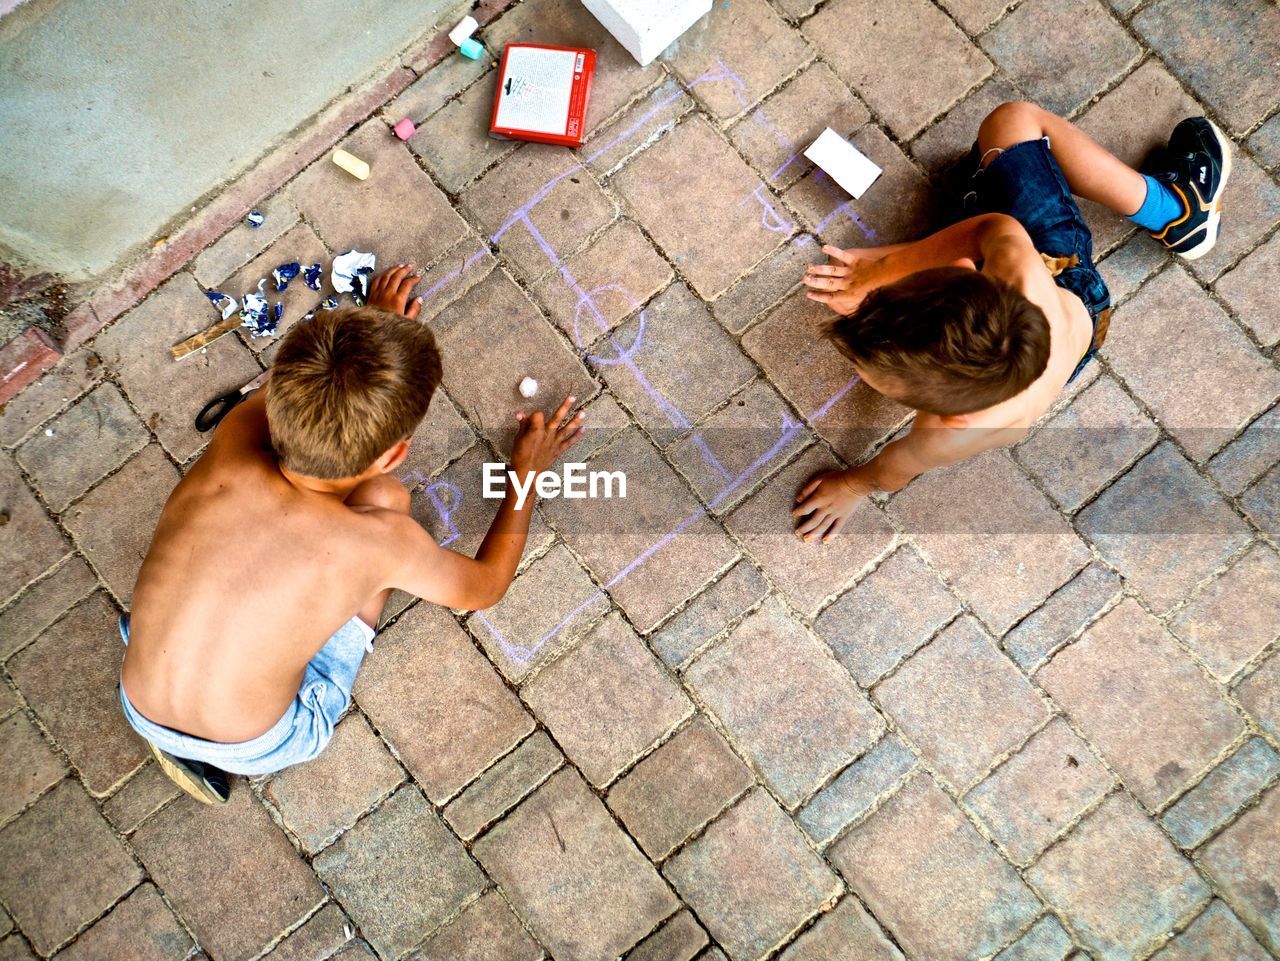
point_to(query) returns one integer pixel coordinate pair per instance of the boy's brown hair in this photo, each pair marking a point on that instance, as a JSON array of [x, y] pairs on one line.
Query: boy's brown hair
[[953, 341], [346, 386]]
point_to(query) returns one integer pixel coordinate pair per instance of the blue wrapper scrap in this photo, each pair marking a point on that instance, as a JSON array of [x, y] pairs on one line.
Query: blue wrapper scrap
[[285, 273], [255, 315], [226, 305], [255, 219], [329, 303], [313, 276]]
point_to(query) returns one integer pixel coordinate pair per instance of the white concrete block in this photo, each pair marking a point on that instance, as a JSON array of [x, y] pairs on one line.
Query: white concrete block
[[647, 27]]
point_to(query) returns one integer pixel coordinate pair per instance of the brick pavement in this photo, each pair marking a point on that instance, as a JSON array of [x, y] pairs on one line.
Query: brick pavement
[[1028, 708]]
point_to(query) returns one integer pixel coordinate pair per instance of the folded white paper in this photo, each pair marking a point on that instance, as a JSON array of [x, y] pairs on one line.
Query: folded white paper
[[843, 162]]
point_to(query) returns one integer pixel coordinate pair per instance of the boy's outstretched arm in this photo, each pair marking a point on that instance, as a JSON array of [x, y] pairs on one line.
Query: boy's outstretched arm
[[442, 576]]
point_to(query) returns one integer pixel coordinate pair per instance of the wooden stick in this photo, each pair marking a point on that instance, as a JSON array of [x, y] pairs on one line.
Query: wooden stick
[[204, 338]]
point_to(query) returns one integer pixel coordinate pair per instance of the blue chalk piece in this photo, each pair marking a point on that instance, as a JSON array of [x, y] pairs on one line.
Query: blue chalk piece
[[471, 48], [255, 219], [312, 277], [285, 273]]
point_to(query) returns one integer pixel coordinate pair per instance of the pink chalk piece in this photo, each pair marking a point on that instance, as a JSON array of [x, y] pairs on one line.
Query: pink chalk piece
[[404, 129]]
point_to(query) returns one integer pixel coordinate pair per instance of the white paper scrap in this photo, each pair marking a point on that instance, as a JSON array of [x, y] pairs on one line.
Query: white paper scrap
[[843, 162]]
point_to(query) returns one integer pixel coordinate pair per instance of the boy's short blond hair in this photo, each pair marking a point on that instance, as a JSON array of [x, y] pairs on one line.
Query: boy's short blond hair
[[346, 386]]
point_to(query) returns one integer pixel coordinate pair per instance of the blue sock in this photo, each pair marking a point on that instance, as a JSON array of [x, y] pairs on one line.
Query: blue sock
[[1161, 208]]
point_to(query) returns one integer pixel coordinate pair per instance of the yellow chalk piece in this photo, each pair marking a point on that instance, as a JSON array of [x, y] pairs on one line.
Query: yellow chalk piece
[[351, 164]]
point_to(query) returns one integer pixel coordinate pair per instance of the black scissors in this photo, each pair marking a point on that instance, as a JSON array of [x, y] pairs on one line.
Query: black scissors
[[211, 414]]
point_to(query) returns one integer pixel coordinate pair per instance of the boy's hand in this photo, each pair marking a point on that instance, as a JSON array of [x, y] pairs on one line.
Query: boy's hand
[[540, 440], [826, 502], [391, 290], [846, 279]]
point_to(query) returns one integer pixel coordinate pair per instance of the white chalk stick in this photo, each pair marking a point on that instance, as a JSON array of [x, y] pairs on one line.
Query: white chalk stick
[[465, 28], [843, 162]]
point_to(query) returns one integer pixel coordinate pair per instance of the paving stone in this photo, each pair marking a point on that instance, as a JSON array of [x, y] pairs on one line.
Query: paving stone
[[845, 932], [205, 859], [141, 928], [1030, 798], [767, 283], [441, 438], [1046, 941], [1212, 802], [740, 445], [1260, 695], [43, 603], [856, 790], [435, 88], [1163, 527], [439, 703], [807, 573], [1244, 863], [709, 613], [114, 522], [503, 786], [15, 949], [908, 860], [491, 341], [57, 387], [9, 702], [1081, 449], [602, 421], [1142, 703], [657, 552], [962, 702], [603, 284], [320, 936], [694, 169], [242, 243], [887, 616], [1119, 881], [677, 789], [951, 138], [774, 135], [1247, 457], [168, 395], [606, 700], [636, 128], [455, 144], [1253, 205], [1243, 289], [1064, 613], [1130, 266], [878, 56], [1215, 935], [320, 799], [975, 15], [69, 676], [1195, 40], [1237, 615], [1061, 54], [30, 544], [618, 79], [400, 873], [486, 931], [140, 797], [751, 878], [746, 41], [398, 213], [63, 866], [89, 440], [453, 275], [902, 204], [791, 346], [570, 872], [792, 709], [1262, 502], [679, 939], [553, 192], [1265, 142], [546, 607], [28, 765], [1004, 564], [681, 364]]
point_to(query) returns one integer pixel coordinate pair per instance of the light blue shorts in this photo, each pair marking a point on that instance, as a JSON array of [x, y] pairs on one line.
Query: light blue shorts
[[303, 732]]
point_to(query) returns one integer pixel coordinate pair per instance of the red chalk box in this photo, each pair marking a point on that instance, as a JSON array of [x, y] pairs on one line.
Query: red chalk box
[[542, 94]]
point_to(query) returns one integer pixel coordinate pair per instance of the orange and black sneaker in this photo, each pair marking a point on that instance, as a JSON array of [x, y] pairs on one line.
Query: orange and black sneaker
[[1195, 167]]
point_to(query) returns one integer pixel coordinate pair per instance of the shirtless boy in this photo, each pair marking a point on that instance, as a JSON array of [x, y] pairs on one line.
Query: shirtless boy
[[972, 326], [274, 556]]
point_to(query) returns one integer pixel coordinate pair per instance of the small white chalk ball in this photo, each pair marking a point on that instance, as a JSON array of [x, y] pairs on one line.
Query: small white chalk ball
[[48, 431], [528, 387]]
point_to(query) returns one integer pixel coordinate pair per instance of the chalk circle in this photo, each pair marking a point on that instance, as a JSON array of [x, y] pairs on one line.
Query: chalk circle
[[590, 310]]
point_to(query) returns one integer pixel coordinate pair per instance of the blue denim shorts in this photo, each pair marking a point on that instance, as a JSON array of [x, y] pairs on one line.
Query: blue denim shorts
[[1025, 182], [303, 732]]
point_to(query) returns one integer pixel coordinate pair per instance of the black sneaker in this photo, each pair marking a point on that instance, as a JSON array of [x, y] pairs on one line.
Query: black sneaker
[[1195, 165], [204, 782]]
